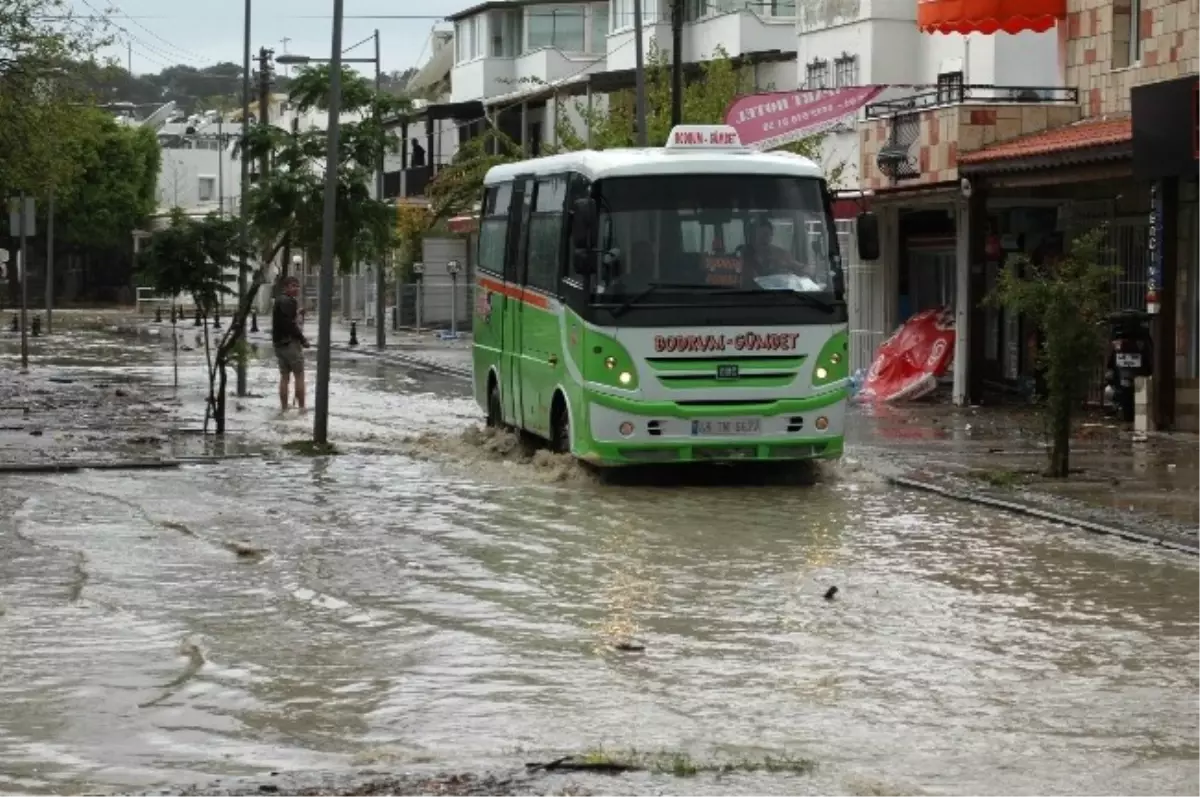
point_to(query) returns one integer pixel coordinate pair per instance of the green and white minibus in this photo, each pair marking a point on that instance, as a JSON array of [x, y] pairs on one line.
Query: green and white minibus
[[663, 305]]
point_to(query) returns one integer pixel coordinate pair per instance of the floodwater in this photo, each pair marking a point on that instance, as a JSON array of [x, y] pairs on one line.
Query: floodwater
[[436, 598]]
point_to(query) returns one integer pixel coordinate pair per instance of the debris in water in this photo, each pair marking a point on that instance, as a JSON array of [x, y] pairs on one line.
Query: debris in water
[[244, 550], [831, 593], [629, 646]]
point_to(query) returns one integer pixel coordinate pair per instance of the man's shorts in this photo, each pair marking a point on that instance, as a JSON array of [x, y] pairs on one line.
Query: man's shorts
[[291, 358]]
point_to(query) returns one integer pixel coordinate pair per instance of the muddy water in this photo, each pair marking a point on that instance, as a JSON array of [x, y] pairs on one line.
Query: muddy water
[[459, 609], [439, 598]]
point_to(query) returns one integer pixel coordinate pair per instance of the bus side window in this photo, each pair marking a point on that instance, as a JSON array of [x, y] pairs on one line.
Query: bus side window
[[578, 187], [546, 228], [518, 230], [493, 229]]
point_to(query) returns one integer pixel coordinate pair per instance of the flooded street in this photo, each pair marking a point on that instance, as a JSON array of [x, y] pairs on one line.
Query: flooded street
[[431, 599]]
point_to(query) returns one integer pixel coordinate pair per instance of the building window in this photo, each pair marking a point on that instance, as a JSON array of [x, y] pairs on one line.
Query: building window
[[1126, 33], [950, 87], [845, 70], [816, 75], [621, 15], [505, 30], [468, 38], [599, 43], [208, 189], [560, 28], [780, 8]]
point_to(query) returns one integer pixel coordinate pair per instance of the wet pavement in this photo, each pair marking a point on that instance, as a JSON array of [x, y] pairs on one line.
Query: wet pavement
[[436, 599]]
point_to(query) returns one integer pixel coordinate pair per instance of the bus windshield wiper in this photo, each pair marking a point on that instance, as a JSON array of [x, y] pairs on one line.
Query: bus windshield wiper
[[654, 286]]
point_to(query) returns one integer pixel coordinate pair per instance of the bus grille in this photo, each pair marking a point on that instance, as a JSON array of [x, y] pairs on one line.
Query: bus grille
[[682, 373]]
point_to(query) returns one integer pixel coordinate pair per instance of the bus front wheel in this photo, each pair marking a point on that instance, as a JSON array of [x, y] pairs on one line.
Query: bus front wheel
[[495, 417], [560, 426]]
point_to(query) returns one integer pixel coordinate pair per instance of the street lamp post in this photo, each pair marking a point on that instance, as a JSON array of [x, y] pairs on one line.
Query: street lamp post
[[244, 232], [325, 289], [328, 229], [293, 59]]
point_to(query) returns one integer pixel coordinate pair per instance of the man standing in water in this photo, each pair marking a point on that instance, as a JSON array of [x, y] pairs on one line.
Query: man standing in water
[[289, 341]]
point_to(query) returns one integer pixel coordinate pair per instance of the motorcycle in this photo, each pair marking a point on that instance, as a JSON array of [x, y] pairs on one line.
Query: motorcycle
[[1131, 354]]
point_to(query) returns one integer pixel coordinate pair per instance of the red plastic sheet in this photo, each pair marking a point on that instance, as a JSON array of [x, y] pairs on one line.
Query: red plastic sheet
[[910, 362]]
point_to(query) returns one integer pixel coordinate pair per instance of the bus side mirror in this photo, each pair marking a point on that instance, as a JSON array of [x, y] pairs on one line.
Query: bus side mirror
[[867, 229], [583, 234]]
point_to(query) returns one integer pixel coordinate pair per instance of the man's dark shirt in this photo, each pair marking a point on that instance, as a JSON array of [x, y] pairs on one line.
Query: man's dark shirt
[[284, 328]]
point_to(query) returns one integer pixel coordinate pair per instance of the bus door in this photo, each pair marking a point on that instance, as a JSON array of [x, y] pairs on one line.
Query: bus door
[[514, 278], [541, 330]]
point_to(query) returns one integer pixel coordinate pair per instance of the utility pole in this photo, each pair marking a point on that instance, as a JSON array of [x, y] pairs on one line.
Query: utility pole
[[380, 277], [264, 101], [639, 73], [676, 62], [245, 218], [328, 230]]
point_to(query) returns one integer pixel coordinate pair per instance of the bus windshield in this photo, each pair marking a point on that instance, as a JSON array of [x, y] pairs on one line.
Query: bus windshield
[[746, 232]]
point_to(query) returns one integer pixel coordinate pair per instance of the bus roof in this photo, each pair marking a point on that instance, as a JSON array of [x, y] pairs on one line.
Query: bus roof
[[687, 152]]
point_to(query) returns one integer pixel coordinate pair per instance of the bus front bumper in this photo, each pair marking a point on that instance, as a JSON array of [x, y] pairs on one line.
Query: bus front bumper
[[624, 432]]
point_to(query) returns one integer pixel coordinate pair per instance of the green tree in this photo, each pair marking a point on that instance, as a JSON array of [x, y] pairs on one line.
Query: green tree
[[1068, 300], [286, 207], [195, 258], [115, 189], [37, 100], [457, 187]]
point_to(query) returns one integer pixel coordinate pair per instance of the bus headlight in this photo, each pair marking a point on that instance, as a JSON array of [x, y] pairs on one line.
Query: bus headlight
[[822, 423], [831, 364], [610, 362], [625, 378]]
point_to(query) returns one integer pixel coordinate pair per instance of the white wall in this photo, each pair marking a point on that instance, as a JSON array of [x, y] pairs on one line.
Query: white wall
[[179, 179]]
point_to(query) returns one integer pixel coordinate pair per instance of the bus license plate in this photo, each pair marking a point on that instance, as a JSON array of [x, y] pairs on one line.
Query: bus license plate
[[1129, 360], [727, 427]]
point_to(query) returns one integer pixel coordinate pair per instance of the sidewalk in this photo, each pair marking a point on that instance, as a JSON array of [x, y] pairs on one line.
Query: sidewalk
[[996, 455], [404, 347]]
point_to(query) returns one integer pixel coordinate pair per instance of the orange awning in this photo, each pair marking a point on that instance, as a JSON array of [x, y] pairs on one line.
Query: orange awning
[[989, 16]]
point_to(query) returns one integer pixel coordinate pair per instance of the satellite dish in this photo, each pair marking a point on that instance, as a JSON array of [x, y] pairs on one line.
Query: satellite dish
[[156, 120]]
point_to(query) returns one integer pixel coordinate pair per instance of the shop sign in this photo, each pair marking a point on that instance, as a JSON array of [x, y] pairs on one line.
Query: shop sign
[[1154, 245]]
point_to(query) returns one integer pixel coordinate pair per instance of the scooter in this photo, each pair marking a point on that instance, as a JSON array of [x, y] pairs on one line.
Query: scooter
[[1131, 354]]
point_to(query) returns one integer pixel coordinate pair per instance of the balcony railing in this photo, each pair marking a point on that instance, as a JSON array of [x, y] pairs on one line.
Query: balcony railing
[[415, 181], [954, 94]]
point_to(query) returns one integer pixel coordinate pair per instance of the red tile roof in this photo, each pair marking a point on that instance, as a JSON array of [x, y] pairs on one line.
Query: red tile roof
[[1080, 135]]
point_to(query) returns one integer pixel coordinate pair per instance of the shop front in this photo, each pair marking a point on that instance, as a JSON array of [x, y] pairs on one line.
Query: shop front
[[1165, 159]]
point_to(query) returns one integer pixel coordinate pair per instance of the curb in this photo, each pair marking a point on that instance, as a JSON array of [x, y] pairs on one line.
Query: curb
[[1042, 514], [129, 464], [400, 358], [72, 467]]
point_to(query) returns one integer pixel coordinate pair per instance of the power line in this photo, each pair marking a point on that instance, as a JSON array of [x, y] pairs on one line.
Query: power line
[[191, 55]]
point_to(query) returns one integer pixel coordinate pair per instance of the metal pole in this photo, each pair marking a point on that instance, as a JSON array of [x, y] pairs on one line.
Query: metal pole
[[245, 218], [23, 273], [454, 305], [221, 165], [640, 73], [380, 276], [328, 229], [50, 262], [676, 62]]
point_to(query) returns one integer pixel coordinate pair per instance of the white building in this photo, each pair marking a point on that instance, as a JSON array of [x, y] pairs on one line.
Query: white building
[[876, 42], [514, 61]]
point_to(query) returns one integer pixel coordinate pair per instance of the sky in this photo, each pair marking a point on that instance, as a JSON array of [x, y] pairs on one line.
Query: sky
[[205, 32]]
